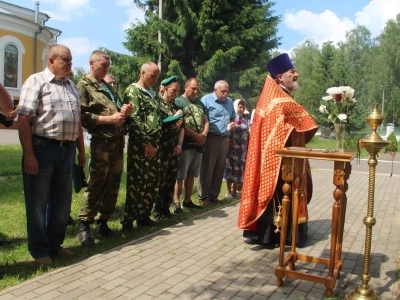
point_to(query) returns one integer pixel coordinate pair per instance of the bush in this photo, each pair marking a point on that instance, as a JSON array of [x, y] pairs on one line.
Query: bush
[[393, 143], [350, 142]]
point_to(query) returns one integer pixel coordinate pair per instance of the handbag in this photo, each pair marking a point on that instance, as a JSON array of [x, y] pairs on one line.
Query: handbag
[[202, 148], [78, 178]]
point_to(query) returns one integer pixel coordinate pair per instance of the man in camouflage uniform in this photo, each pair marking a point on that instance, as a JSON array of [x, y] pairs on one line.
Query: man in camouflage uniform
[[104, 120], [143, 164], [196, 130], [171, 147]]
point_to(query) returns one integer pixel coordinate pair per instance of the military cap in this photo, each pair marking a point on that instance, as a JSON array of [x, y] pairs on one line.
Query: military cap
[[169, 80]]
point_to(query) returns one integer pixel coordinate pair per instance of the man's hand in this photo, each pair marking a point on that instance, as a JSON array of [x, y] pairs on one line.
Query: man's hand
[[118, 118], [231, 126], [11, 116], [200, 139], [149, 151], [177, 150], [178, 123], [31, 165], [81, 157], [126, 109]]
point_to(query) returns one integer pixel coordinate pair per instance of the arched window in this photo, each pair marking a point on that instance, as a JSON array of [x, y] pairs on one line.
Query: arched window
[[11, 66], [11, 53]]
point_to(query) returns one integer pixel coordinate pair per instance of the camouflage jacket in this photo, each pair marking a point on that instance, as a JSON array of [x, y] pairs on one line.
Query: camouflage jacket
[[145, 117], [170, 133], [95, 102]]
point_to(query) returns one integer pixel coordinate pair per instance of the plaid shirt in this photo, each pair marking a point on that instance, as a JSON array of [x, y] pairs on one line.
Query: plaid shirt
[[54, 105]]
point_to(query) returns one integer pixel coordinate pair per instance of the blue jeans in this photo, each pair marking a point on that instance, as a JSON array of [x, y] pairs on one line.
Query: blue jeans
[[52, 188]]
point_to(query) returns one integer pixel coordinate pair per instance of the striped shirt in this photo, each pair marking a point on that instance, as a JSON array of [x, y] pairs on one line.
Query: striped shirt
[[53, 104]]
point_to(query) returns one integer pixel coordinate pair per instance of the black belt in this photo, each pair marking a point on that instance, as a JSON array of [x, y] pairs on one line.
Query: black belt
[[64, 143], [219, 135]]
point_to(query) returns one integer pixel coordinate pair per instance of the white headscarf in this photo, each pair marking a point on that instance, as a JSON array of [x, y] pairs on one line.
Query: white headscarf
[[236, 104]]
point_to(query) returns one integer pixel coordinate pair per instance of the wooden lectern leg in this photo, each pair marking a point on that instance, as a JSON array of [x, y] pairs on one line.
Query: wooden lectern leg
[[338, 180], [287, 177]]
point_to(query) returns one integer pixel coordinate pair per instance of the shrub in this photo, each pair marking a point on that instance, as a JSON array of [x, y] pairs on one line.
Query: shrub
[[350, 142], [393, 143]]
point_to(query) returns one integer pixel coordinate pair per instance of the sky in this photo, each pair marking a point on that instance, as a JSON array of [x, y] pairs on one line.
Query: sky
[[89, 24]]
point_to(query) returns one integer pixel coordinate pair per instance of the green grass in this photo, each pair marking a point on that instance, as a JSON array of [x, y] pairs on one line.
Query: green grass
[[14, 258]]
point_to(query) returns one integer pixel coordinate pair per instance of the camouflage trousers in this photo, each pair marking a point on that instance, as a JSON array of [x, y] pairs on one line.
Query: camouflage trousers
[[168, 171], [142, 181], [105, 170]]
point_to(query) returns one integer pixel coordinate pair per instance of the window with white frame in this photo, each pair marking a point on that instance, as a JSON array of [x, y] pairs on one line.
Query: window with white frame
[[11, 66], [11, 51]]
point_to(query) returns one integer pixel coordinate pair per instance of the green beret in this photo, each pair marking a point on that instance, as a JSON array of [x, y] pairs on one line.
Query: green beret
[[169, 80]]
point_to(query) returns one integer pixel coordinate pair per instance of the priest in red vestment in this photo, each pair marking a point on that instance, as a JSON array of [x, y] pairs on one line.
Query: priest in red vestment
[[279, 121]]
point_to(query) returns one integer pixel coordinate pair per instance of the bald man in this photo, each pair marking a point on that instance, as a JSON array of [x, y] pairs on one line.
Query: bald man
[[143, 164]]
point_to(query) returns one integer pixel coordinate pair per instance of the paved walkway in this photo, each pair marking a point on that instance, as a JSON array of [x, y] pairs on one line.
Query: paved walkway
[[205, 258]]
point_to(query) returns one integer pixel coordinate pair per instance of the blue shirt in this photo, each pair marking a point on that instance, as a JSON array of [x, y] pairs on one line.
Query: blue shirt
[[220, 113]]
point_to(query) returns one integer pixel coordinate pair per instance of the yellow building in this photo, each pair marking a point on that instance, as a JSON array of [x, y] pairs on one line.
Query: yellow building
[[24, 40]]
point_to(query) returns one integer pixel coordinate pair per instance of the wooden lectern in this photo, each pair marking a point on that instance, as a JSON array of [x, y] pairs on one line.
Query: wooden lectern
[[293, 167]]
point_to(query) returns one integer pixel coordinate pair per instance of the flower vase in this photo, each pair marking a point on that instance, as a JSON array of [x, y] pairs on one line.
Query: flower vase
[[339, 131]]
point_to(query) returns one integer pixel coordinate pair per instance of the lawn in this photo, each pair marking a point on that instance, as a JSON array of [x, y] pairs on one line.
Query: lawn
[[14, 258]]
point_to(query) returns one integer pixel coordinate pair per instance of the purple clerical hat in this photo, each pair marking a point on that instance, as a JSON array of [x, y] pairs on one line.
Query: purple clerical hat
[[279, 65]]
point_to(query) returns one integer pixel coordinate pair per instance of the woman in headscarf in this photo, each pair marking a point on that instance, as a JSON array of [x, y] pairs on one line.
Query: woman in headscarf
[[236, 157]]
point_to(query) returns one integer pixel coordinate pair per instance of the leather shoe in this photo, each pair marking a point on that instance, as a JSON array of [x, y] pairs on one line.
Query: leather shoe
[[65, 253], [103, 229], [298, 245], [85, 238], [146, 222], [46, 260]]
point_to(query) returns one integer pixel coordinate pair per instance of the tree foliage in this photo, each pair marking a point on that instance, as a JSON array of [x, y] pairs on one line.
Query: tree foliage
[[210, 40], [368, 65]]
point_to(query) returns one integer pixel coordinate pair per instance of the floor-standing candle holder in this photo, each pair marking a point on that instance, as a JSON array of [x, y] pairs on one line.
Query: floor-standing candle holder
[[373, 144]]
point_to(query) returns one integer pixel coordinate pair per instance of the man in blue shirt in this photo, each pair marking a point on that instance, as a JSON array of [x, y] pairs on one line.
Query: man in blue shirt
[[221, 115]]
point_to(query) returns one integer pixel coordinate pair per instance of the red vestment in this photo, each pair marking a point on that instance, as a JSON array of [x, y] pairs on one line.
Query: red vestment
[[277, 117]]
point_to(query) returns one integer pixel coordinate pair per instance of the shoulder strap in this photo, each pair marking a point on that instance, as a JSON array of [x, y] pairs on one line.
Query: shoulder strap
[[194, 119]]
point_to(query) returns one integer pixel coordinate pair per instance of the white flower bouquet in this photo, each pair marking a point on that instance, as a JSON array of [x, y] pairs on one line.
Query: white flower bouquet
[[337, 104]]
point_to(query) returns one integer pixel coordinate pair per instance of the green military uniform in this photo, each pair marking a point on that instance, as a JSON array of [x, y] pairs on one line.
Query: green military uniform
[[142, 173], [169, 161], [106, 150]]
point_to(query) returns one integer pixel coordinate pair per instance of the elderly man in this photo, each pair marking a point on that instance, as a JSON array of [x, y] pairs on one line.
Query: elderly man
[[279, 121], [104, 119], [49, 130], [143, 165], [221, 115], [196, 130], [110, 80]]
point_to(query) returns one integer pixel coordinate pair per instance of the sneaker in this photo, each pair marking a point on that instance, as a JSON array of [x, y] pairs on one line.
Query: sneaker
[[177, 208], [228, 196], [146, 222], [190, 204]]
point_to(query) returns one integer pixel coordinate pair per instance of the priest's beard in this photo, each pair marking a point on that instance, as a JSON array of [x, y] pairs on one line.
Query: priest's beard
[[290, 84]]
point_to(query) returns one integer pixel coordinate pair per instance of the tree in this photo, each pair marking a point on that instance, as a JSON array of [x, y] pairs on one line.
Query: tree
[[210, 40], [306, 61], [384, 78], [78, 73], [125, 69]]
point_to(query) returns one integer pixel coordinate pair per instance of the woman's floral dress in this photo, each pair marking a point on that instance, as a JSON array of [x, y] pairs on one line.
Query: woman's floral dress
[[237, 150]]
